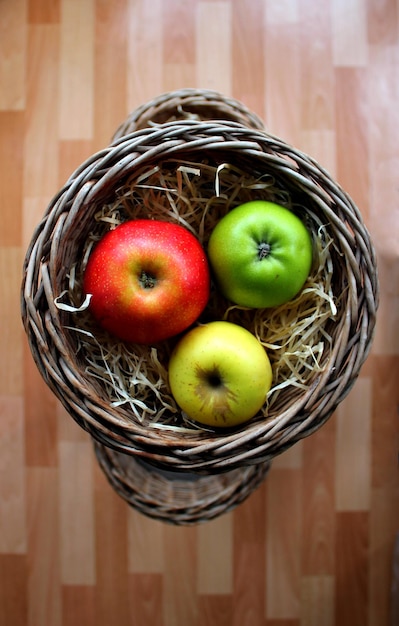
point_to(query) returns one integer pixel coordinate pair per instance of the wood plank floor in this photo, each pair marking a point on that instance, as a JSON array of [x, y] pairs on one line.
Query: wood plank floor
[[313, 546]]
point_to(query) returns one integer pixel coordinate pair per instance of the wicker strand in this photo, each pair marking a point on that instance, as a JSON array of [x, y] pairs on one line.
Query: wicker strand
[[58, 241]]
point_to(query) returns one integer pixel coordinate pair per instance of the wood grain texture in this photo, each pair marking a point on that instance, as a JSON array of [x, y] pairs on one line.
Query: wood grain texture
[[13, 536], [352, 568], [11, 192], [283, 544], [313, 546], [13, 59], [44, 592], [249, 567], [76, 70]]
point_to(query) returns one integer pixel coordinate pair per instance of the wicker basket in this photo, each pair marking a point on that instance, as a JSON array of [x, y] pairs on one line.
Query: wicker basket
[[179, 498], [58, 241], [196, 104]]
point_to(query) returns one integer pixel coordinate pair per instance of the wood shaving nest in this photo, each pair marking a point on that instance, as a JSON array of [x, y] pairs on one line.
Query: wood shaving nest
[[197, 195]]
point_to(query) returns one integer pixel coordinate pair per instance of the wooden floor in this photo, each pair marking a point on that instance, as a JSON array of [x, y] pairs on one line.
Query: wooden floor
[[313, 546]]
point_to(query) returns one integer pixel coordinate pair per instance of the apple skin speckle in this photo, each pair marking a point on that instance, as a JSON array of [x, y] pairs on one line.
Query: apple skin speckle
[[219, 374], [261, 254], [149, 280]]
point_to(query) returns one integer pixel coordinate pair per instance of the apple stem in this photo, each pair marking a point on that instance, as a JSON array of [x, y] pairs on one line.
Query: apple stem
[[147, 281], [263, 250]]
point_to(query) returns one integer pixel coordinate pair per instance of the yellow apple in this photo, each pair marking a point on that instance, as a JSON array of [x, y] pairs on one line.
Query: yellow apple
[[220, 374]]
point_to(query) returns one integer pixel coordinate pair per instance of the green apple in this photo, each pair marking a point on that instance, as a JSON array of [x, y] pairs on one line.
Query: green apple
[[219, 374], [261, 254]]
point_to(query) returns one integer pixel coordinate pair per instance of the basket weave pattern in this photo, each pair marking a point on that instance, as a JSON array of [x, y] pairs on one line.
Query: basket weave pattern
[[195, 104], [178, 497], [59, 238]]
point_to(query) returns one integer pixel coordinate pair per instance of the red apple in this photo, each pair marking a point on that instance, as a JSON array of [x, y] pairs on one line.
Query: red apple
[[149, 280]]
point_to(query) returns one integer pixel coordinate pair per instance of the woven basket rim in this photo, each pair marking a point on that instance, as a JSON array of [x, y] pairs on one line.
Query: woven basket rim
[[94, 178], [188, 103]]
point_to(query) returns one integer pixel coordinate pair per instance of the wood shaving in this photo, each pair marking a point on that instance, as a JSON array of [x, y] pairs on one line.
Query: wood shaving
[[196, 195]]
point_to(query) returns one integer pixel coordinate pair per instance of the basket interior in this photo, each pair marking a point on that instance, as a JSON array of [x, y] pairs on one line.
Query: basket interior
[[134, 164]]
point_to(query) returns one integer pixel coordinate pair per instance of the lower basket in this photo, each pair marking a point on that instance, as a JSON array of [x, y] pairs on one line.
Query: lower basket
[[180, 498]]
